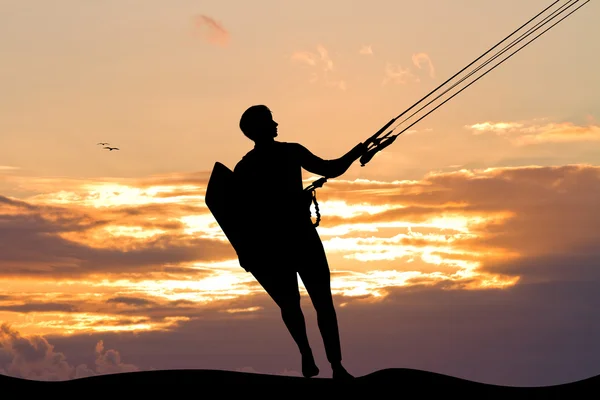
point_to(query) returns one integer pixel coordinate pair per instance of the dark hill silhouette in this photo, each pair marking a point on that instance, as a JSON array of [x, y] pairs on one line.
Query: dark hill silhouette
[[403, 379]]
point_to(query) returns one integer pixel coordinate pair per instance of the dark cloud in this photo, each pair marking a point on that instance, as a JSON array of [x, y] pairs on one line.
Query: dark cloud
[[35, 358], [528, 335], [165, 210], [38, 239], [29, 245], [553, 208], [581, 263], [39, 307], [121, 322], [109, 361], [16, 203], [121, 310], [130, 301]]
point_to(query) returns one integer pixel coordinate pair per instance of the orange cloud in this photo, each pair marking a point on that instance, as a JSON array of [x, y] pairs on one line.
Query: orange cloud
[[164, 229], [145, 254], [397, 74], [320, 57], [213, 31], [422, 58], [504, 205], [529, 133], [400, 75], [320, 60], [366, 50]]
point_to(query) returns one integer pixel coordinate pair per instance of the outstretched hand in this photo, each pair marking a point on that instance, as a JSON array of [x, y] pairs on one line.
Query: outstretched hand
[[369, 142], [361, 149]]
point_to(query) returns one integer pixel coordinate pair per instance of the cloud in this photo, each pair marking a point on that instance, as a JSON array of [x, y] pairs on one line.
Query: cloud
[[109, 361], [494, 211], [131, 301], [77, 269], [419, 59], [169, 236], [43, 239], [409, 259], [435, 250], [38, 307], [212, 30], [530, 334], [497, 127], [397, 74], [400, 75], [526, 335], [366, 50], [34, 358], [324, 57], [338, 84], [305, 57], [320, 57], [525, 133], [321, 61], [35, 244]]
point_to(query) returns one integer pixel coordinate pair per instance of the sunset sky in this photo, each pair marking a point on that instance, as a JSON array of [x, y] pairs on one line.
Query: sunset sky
[[468, 247]]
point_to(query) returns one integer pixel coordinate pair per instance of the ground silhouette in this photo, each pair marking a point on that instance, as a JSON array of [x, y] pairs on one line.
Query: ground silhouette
[[400, 380]]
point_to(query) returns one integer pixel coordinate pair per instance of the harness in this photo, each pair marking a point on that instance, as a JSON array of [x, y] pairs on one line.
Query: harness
[[311, 190]]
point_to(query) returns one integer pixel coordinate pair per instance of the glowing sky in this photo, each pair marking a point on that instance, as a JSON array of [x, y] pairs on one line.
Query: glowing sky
[[474, 223]]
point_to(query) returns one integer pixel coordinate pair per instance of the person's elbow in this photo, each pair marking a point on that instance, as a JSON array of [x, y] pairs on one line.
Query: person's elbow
[[331, 168], [335, 172], [334, 175]]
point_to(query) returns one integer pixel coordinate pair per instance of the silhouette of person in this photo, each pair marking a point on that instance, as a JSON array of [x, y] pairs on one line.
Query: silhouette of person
[[281, 241]]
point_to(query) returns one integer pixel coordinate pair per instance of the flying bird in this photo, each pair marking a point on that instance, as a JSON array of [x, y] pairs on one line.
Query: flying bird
[[102, 143], [111, 148]]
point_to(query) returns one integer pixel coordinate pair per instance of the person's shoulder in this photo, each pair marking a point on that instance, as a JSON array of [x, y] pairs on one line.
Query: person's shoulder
[[243, 161], [292, 146]]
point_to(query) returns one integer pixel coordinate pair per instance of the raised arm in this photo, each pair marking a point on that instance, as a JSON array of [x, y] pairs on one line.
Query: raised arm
[[329, 168]]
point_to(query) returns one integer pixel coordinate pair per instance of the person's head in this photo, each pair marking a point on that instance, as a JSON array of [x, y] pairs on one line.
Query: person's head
[[257, 123]]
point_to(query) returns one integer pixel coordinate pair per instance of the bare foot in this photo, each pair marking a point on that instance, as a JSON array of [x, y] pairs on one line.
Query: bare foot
[[309, 368], [340, 373]]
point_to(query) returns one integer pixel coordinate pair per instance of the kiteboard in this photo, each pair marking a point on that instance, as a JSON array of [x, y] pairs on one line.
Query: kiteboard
[[225, 203]]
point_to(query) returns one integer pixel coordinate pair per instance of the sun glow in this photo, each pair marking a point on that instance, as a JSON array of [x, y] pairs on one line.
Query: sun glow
[[345, 210], [392, 253], [99, 195], [137, 232], [62, 323], [203, 225], [221, 285]]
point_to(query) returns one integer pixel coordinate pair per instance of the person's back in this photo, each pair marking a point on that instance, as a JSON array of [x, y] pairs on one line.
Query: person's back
[[271, 175]]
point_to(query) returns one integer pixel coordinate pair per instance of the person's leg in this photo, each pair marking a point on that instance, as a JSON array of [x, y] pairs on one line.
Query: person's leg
[[282, 286], [316, 277]]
